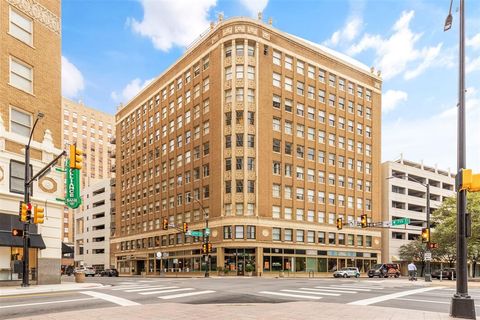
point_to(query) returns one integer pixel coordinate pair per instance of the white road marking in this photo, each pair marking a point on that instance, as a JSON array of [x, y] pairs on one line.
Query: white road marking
[[47, 302], [353, 286], [366, 302], [129, 287], [290, 295], [120, 301], [419, 300], [146, 281], [312, 292], [328, 290], [346, 288], [188, 294], [150, 289], [127, 282], [166, 291]]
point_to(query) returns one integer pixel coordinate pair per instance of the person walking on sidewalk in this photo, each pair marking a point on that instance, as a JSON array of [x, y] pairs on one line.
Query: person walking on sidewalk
[[412, 271]]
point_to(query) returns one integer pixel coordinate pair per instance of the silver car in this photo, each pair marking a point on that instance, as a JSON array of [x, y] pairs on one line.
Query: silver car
[[347, 273]]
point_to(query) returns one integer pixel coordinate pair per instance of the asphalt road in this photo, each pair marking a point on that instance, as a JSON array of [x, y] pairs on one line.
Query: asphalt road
[[132, 291]]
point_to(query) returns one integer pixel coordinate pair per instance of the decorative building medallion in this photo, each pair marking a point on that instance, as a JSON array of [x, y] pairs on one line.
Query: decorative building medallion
[[214, 233], [47, 185], [2, 174], [38, 13], [265, 233]]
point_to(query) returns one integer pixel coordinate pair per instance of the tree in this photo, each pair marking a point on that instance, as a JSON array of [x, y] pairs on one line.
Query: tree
[[413, 251]]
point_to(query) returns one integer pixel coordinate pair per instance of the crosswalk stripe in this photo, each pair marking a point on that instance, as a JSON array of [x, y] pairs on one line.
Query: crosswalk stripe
[[129, 287], [146, 281], [328, 290], [346, 288], [127, 282], [150, 289], [290, 295], [181, 295], [360, 287], [312, 292], [166, 291]]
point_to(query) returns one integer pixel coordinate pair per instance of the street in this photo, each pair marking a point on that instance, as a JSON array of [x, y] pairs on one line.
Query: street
[[124, 291]]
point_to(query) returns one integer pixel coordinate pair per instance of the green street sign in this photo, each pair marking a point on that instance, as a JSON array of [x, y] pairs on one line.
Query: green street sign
[[207, 231], [399, 222], [72, 196], [194, 233]]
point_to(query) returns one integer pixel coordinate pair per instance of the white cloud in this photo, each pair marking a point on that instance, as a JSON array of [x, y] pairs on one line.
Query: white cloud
[[397, 53], [254, 6], [348, 33], [72, 79], [169, 23], [392, 98], [474, 41], [130, 90], [434, 139], [472, 65]]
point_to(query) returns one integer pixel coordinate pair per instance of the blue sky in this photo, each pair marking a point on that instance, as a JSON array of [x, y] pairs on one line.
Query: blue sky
[[112, 48]]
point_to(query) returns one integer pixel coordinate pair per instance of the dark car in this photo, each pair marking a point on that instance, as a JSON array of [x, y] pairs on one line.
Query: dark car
[[109, 273], [446, 273], [384, 270]]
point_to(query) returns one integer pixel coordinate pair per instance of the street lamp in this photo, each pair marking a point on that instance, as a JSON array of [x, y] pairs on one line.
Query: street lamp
[[206, 238], [428, 275], [26, 200], [462, 306]]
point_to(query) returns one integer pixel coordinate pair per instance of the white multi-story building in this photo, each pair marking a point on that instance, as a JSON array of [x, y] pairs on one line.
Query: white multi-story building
[[404, 195], [92, 226]]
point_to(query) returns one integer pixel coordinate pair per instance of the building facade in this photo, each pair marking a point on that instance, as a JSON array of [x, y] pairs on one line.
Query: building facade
[[92, 226], [405, 196], [30, 60], [92, 131], [269, 137]]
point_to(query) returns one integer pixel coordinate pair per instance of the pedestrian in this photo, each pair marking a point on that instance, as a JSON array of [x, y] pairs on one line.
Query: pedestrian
[[412, 270]]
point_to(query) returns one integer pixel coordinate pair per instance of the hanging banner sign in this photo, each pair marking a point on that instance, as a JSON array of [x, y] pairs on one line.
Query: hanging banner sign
[[72, 196]]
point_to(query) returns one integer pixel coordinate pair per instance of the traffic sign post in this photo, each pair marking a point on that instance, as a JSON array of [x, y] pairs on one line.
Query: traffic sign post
[[427, 256], [399, 222]]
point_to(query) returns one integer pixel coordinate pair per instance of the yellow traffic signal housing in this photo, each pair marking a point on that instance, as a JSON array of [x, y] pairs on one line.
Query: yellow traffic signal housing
[[165, 224], [209, 247], [185, 227], [363, 220], [23, 212], [339, 223], [468, 181], [76, 157], [38, 214], [17, 232], [425, 235], [204, 248]]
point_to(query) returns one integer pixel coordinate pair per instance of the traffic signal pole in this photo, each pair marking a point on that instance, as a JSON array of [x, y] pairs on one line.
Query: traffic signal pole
[[207, 256], [26, 225], [428, 273]]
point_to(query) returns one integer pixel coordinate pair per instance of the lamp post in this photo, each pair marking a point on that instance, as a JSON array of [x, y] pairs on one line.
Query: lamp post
[[26, 199], [206, 238], [462, 306], [428, 272]]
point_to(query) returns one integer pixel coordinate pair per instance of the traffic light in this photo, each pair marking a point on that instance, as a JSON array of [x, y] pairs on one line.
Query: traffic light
[[209, 247], [468, 181], [76, 157], [425, 235], [165, 224], [38, 215], [339, 223], [185, 227], [433, 245], [204, 248], [17, 232], [363, 220], [24, 212]]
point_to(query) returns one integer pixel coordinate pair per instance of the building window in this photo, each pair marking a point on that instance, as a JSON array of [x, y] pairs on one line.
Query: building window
[[331, 238], [288, 234], [21, 75], [300, 236], [251, 232], [239, 232], [368, 241], [227, 232], [277, 78], [321, 237], [276, 234], [20, 122], [21, 27]]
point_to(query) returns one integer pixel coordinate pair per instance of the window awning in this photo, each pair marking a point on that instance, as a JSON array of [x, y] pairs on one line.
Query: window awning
[[8, 240], [66, 248]]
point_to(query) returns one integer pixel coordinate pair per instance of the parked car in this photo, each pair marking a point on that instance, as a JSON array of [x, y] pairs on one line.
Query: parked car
[[89, 271], [347, 273], [447, 273], [384, 270], [109, 273]]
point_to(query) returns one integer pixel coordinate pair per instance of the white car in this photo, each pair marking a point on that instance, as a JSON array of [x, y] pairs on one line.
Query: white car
[[347, 273], [89, 271]]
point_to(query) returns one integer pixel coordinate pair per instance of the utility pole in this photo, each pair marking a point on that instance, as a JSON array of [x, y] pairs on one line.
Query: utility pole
[[428, 272], [462, 306]]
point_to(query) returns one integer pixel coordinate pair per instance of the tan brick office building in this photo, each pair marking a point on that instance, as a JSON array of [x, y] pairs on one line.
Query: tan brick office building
[[274, 136], [30, 82]]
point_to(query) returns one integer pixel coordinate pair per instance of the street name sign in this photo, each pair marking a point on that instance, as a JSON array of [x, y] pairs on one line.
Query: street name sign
[[398, 222]]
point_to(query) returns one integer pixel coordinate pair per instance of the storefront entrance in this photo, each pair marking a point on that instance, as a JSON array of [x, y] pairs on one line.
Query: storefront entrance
[[241, 260]]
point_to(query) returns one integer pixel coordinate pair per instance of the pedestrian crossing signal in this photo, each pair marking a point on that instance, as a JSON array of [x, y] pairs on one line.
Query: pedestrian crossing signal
[[17, 232]]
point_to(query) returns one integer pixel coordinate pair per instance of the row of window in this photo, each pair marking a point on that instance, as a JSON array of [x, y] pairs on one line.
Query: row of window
[[308, 236], [310, 216]]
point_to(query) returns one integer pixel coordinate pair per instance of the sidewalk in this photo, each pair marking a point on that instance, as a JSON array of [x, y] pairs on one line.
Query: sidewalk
[[277, 311], [66, 286]]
